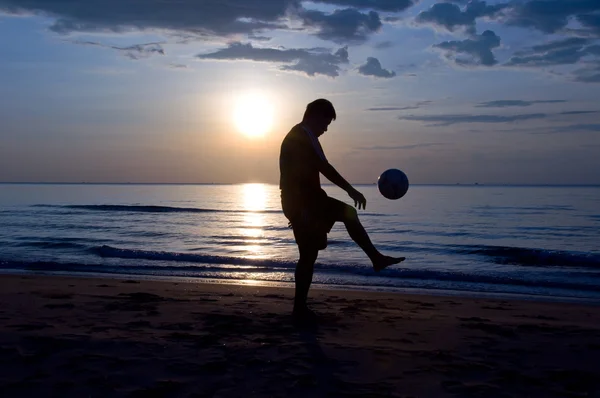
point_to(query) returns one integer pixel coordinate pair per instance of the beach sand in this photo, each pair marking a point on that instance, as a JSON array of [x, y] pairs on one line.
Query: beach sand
[[91, 337]]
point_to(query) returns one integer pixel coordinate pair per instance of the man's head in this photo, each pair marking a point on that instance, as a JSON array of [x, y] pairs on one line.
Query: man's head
[[318, 116]]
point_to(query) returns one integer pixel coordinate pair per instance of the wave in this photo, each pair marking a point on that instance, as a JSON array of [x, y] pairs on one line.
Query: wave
[[113, 252], [430, 279], [532, 257], [51, 245], [153, 209], [496, 254], [55, 242], [263, 265], [526, 208], [168, 209]]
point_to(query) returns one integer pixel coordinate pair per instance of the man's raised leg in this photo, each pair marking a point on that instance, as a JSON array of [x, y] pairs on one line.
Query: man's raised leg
[[359, 235]]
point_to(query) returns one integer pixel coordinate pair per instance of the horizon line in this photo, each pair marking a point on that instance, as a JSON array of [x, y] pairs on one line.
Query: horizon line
[[269, 183]]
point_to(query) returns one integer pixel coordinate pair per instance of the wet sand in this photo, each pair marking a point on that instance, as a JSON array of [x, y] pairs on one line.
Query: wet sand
[[90, 337]]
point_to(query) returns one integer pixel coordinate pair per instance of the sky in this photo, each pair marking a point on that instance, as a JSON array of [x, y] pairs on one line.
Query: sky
[[455, 91]]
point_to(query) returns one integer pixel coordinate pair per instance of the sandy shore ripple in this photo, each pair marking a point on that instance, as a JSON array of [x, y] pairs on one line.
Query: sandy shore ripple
[[88, 337]]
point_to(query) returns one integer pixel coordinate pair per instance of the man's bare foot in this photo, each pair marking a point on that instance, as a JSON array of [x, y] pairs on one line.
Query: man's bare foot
[[385, 261], [304, 314]]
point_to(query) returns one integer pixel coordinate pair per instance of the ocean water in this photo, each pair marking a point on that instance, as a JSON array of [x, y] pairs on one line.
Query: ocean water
[[542, 242]]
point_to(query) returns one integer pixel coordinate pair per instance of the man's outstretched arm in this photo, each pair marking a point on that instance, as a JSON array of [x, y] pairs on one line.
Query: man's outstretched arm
[[332, 175]]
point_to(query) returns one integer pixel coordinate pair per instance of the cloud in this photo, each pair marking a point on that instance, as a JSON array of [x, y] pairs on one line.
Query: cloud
[[451, 17], [380, 5], [519, 103], [591, 22], [373, 68], [573, 128], [595, 50], [342, 26], [384, 45], [252, 36], [583, 127], [577, 112], [136, 51], [447, 120], [550, 16], [559, 52], [560, 44], [478, 49], [405, 147], [211, 18], [199, 17], [588, 74], [310, 61], [417, 105]]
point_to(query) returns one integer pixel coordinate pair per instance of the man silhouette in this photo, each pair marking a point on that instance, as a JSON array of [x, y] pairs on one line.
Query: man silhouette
[[305, 204]]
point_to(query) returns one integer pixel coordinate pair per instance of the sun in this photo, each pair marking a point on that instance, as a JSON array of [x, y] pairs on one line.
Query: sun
[[253, 115]]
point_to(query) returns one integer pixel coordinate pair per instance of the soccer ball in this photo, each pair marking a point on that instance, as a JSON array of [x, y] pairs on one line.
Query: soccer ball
[[393, 184]]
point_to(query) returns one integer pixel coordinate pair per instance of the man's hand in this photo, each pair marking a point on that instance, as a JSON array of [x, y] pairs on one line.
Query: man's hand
[[359, 199]]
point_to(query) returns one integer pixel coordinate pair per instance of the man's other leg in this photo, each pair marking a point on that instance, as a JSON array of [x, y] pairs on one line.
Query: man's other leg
[[303, 276]]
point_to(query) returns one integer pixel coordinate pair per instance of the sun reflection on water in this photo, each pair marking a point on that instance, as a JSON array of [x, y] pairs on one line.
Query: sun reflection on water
[[255, 196]]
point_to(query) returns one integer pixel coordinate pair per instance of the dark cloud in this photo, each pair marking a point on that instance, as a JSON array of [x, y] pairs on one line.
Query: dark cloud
[[252, 36], [550, 16], [560, 44], [519, 103], [595, 50], [373, 68], [205, 17], [588, 78], [557, 57], [559, 52], [591, 22], [406, 66], [136, 51], [404, 147], [342, 26], [309, 61], [178, 66], [380, 5], [391, 108], [576, 112], [209, 17], [478, 49], [392, 19], [401, 108], [583, 127], [588, 74], [447, 120], [384, 45], [451, 17], [573, 128]]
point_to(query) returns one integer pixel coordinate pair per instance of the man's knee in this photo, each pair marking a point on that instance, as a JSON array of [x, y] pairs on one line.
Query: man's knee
[[350, 213]]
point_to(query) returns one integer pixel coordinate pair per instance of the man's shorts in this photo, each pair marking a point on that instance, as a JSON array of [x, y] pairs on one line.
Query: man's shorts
[[313, 220]]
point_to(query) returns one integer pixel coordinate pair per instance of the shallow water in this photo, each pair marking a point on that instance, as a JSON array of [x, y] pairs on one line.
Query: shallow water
[[502, 239]]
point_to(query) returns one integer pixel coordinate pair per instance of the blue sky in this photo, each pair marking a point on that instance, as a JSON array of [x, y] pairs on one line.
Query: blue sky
[[448, 91]]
